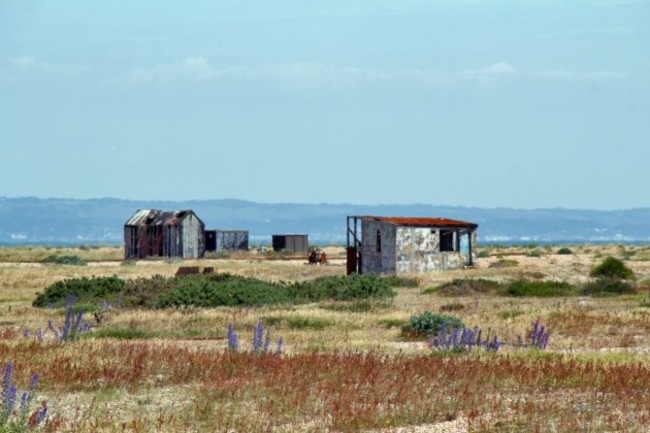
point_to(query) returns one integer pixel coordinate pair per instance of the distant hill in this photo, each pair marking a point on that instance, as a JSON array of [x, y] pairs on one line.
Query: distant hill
[[36, 220]]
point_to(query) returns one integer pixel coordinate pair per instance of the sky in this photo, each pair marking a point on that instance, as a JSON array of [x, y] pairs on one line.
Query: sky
[[517, 103]]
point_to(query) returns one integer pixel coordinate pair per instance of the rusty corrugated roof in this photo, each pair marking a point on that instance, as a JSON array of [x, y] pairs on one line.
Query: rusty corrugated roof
[[422, 222], [154, 217]]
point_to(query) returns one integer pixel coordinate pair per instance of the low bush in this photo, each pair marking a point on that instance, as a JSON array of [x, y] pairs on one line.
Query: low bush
[[214, 290], [428, 324], [608, 287], [612, 268], [65, 260], [540, 288], [564, 251], [83, 289]]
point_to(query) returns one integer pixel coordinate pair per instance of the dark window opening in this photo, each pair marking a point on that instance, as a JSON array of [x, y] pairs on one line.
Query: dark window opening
[[446, 240], [378, 241]]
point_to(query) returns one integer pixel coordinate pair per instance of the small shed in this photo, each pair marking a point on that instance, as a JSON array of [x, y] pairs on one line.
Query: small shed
[[290, 243], [229, 240], [162, 233], [402, 245]]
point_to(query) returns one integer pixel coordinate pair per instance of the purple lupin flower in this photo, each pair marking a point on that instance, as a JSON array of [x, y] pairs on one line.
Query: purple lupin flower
[[233, 340], [258, 335]]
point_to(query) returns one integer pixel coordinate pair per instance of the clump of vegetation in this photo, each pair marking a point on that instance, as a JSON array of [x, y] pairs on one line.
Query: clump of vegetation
[[607, 286], [612, 268], [537, 338], [468, 286], [483, 254], [212, 290], [83, 289], [461, 339], [534, 253], [540, 288], [261, 342], [564, 251], [429, 324], [72, 328], [18, 417], [65, 260]]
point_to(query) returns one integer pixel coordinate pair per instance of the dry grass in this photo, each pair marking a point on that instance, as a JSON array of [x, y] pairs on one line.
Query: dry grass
[[341, 370]]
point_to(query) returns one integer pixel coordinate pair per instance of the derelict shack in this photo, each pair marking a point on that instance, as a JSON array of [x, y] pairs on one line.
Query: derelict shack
[[290, 243], [161, 233], [399, 245], [229, 240]]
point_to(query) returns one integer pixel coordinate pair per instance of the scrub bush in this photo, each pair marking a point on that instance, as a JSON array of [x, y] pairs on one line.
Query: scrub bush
[[612, 268], [430, 324]]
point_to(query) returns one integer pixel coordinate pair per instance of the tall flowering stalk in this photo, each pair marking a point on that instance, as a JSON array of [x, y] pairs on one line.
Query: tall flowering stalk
[[14, 418], [261, 343], [233, 340], [462, 339], [72, 328], [538, 337]]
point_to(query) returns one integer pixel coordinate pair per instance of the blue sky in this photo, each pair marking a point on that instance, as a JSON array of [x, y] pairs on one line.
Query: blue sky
[[523, 104]]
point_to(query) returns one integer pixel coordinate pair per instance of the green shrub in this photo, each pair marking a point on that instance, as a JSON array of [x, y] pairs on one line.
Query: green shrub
[[214, 290], [222, 289], [84, 289], [612, 268], [540, 288], [341, 288], [483, 254], [429, 323], [65, 260], [534, 253], [608, 287], [564, 251]]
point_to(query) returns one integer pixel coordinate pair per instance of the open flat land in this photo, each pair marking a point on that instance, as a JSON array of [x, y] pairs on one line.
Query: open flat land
[[344, 366]]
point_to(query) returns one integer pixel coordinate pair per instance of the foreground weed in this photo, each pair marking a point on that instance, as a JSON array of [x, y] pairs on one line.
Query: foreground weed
[[20, 418], [72, 328], [463, 339], [260, 343]]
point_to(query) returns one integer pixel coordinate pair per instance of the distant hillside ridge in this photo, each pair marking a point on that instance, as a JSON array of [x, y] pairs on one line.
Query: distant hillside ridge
[[71, 221]]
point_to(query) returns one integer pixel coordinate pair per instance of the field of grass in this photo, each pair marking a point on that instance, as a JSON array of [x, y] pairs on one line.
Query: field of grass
[[343, 366]]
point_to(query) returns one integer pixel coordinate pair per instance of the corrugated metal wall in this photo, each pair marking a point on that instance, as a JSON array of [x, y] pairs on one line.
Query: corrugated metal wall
[[290, 243]]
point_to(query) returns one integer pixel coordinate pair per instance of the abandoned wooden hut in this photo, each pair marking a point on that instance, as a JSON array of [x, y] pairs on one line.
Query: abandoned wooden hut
[[228, 240], [161, 233], [399, 245], [290, 243]]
